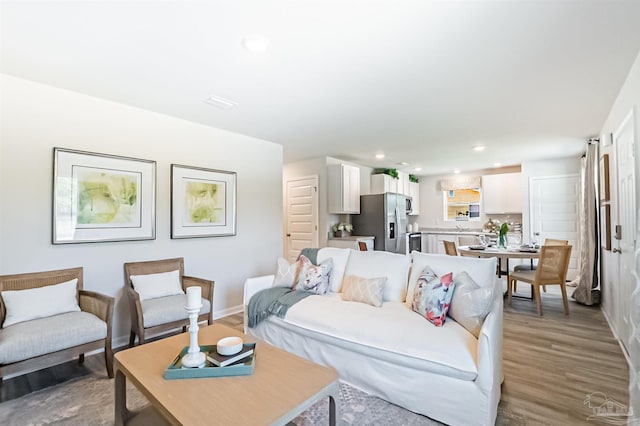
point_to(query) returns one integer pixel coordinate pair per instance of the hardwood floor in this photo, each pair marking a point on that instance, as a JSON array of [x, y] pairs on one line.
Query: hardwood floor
[[551, 364]]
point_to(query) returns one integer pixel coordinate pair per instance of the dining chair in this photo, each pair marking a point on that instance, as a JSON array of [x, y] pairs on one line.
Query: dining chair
[[450, 248], [362, 246], [156, 293], [532, 266], [468, 240], [552, 270]]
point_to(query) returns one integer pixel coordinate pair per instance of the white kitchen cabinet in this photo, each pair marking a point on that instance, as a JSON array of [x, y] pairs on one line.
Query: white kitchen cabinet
[[344, 189], [381, 183], [502, 194], [414, 193], [403, 183]]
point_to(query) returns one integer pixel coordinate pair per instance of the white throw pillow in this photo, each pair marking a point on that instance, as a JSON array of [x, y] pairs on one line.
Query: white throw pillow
[[363, 290], [340, 258], [41, 302], [286, 274], [471, 303], [373, 264], [151, 286]]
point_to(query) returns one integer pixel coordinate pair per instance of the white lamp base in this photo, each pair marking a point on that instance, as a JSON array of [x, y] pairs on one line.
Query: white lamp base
[[194, 360]]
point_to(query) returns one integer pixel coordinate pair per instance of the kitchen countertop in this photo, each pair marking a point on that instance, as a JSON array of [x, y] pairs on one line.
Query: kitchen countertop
[[352, 237], [454, 231]]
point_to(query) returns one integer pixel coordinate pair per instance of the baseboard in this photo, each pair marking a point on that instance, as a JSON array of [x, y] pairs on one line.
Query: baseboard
[[615, 335]]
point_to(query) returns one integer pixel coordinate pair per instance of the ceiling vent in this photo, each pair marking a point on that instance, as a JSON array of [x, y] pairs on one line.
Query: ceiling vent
[[219, 102]]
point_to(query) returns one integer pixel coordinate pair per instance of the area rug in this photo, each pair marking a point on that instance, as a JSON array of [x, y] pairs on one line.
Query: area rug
[[89, 401]]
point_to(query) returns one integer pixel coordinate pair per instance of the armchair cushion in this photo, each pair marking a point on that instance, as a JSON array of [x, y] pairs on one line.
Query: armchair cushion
[[40, 302], [151, 286], [45, 335], [163, 310]]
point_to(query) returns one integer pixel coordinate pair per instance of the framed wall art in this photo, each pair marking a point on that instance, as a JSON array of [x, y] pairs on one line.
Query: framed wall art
[[604, 178], [100, 197], [203, 202]]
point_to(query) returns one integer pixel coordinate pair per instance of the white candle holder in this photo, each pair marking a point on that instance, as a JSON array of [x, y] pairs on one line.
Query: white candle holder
[[193, 358]]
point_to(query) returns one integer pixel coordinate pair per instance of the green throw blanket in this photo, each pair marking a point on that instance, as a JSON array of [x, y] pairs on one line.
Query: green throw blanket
[[273, 301]]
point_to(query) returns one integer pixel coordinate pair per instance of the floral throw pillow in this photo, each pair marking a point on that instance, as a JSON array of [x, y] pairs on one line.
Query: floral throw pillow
[[432, 296], [314, 278]]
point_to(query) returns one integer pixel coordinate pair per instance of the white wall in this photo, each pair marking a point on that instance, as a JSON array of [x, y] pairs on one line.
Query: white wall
[[35, 118], [628, 99]]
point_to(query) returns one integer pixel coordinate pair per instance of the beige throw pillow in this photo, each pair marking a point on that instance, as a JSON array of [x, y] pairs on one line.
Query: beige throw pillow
[[471, 303], [286, 274], [363, 290]]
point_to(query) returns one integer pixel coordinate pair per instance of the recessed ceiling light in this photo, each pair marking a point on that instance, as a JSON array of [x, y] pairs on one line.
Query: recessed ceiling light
[[456, 171], [220, 102], [379, 156], [255, 43], [403, 163], [497, 164], [417, 169], [478, 148]]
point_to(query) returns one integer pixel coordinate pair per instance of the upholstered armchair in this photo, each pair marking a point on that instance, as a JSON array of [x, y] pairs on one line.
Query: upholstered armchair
[[156, 293], [47, 318]]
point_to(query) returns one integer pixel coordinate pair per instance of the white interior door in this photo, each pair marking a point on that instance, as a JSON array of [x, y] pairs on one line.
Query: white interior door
[[301, 215], [554, 213], [624, 239]]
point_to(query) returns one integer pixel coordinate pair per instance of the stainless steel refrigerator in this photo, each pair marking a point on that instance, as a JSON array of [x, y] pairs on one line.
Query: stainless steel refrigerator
[[385, 217]]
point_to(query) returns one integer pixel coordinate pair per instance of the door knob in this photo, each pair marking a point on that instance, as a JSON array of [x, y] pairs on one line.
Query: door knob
[[288, 235], [617, 250], [536, 233]]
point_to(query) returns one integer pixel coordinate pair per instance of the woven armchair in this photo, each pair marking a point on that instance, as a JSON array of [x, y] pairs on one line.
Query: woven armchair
[[165, 313], [44, 342]]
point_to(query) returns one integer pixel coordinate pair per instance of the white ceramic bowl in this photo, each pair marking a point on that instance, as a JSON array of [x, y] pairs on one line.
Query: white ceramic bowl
[[229, 345]]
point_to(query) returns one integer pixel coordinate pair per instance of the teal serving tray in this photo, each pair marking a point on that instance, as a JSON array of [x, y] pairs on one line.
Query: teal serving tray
[[241, 368]]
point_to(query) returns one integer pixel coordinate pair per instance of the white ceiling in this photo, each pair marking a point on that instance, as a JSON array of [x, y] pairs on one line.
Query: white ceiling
[[422, 81]]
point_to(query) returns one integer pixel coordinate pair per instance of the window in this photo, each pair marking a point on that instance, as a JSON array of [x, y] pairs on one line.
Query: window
[[462, 204]]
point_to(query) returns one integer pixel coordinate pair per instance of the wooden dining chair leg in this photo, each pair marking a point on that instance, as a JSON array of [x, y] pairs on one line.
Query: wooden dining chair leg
[[511, 283], [565, 302], [536, 291]]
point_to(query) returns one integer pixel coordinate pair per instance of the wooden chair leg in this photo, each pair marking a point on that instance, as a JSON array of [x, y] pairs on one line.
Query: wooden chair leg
[[132, 339], [536, 290], [565, 301], [512, 283], [81, 359]]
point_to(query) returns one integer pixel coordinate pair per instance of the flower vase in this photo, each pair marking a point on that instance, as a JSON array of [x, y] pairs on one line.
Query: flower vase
[[502, 241], [341, 234]]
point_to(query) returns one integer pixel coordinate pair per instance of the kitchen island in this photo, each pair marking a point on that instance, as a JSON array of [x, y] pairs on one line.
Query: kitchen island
[[351, 241]]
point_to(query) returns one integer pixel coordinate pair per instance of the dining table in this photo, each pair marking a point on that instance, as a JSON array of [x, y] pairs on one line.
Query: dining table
[[502, 254]]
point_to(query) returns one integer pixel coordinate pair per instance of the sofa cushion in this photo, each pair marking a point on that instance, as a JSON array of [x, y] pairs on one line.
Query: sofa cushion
[[286, 274], [471, 303], [151, 286], [45, 335], [432, 296], [373, 264], [40, 302], [394, 330], [167, 309], [314, 278], [483, 271], [363, 290], [340, 258]]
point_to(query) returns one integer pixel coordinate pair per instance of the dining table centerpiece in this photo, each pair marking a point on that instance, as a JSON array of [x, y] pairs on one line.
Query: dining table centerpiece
[[502, 238]]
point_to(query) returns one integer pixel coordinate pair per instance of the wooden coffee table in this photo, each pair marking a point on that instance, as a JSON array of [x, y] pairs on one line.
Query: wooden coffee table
[[281, 387]]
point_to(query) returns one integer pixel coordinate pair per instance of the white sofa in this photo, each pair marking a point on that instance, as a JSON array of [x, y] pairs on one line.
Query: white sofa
[[445, 373]]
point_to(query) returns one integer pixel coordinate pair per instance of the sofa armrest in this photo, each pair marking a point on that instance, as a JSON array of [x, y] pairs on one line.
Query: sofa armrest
[[251, 287], [490, 347]]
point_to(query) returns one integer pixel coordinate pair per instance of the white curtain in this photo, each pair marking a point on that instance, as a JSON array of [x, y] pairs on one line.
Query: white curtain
[[587, 281]]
